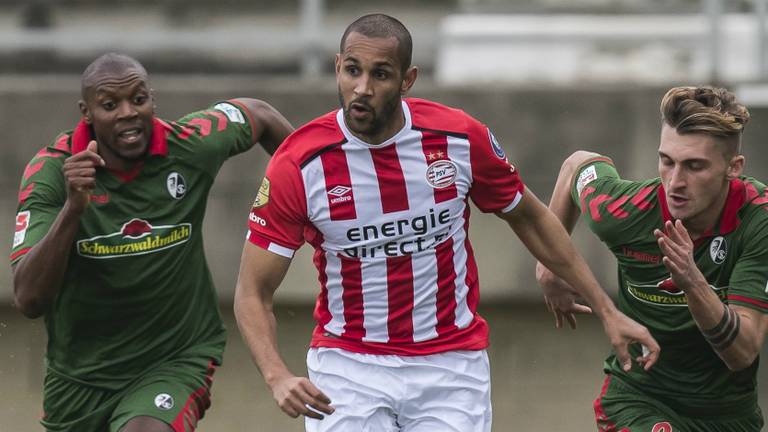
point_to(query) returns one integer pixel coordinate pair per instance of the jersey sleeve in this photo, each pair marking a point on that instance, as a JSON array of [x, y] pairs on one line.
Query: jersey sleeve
[[748, 285], [496, 184], [41, 197], [616, 210], [279, 213], [225, 129]]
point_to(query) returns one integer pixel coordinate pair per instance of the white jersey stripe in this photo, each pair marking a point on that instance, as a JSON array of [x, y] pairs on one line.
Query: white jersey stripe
[[375, 302], [425, 297], [335, 302]]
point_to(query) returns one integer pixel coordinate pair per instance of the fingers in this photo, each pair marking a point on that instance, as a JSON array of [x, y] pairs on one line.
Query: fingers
[[301, 397], [650, 354], [622, 354]]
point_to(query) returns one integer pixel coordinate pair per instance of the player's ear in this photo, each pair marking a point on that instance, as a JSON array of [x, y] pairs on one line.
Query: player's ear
[[84, 111], [735, 166], [409, 78]]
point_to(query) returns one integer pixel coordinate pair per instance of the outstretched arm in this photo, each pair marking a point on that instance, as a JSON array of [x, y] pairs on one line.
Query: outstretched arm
[[261, 272], [37, 277], [271, 127], [736, 333], [544, 236], [558, 294]]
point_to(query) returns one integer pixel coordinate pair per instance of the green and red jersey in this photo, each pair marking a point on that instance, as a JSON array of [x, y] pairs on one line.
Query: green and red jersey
[[732, 256], [137, 289]]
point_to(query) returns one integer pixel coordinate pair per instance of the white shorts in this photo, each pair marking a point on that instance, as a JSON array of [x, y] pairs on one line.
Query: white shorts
[[446, 392]]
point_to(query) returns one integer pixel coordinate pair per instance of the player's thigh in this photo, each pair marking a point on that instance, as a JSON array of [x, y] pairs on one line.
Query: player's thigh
[[361, 394], [449, 392], [620, 408], [146, 424], [176, 393], [72, 407]]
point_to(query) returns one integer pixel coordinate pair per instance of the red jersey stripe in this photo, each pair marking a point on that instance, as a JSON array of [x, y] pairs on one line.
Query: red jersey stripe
[[389, 173], [446, 288], [322, 313], [761, 304], [338, 185], [352, 297], [435, 148], [400, 298]]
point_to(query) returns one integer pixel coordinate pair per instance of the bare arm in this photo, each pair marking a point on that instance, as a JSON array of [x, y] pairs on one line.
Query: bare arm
[[548, 241], [271, 127], [261, 272], [558, 294], [736, 333], [37, 277]]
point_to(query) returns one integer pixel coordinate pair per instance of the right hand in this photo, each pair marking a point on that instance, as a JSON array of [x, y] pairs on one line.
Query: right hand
[[294, 394], [560, 297], [80, 175]]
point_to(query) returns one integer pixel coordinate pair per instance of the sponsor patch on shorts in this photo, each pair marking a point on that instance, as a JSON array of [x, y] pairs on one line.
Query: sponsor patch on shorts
[[233, 114], [585, 177]]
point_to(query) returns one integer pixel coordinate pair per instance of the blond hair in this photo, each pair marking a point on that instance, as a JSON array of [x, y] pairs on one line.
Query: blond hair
[[706, 110]]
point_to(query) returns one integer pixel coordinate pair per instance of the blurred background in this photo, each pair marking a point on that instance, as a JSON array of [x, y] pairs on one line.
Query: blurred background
[[547, 76]]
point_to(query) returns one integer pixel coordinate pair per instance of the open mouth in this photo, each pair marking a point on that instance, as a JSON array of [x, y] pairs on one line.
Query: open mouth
[[359, 111], [130, 135]]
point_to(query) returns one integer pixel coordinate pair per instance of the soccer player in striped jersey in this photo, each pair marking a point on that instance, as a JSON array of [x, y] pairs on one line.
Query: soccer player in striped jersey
[[380, 189], [692, 248], [108, 246]]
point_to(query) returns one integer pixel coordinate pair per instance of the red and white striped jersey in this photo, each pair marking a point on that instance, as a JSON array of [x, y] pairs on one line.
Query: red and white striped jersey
[[389, 226]]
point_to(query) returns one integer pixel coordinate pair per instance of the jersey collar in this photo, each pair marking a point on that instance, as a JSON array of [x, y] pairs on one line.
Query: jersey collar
[[729, 218], [158, 142]]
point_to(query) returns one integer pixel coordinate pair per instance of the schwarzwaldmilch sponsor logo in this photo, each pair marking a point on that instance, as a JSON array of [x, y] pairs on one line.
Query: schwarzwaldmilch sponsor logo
[[136, 237], [665, 293]]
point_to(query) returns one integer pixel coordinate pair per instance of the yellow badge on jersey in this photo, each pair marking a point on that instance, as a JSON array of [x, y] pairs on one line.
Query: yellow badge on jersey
[[262, 197]]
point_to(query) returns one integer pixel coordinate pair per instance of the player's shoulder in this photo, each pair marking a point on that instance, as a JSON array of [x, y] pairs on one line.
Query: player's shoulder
[[55, 152], [310, 140], [434, 116], [756, 203]]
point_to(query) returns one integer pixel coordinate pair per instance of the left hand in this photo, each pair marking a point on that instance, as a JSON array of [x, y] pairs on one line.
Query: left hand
[[677, 247], [560, 297], [623, 331]]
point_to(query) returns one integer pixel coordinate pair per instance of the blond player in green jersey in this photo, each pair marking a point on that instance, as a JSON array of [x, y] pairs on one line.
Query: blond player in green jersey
[[692, 250]]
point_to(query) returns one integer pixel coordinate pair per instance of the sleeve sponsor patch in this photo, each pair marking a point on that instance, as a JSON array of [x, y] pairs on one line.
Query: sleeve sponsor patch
[[232, 112], [262, 197], [585, 177], [22, 223], [497, 149]]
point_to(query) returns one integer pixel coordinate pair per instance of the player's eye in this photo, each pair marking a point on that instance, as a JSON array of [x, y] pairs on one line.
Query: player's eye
[[140, 99], [108, 105], [352, 70], [381, 74]]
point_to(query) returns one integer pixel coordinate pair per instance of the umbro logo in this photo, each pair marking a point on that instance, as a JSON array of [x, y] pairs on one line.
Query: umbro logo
[[340, 194]]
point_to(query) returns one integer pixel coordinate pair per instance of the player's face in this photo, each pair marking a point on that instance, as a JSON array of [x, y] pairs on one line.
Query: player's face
[[120, 108], [695, 174], [371, 83]]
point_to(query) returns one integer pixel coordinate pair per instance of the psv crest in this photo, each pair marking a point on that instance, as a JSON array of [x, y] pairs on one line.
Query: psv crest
[[176, 185], [718, 250]]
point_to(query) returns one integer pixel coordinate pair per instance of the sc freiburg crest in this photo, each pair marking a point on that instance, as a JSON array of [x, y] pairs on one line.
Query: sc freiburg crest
[[718, 250], [176, 185]]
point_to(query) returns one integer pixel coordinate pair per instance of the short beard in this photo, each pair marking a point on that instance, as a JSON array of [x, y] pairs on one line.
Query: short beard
[[379, 119]]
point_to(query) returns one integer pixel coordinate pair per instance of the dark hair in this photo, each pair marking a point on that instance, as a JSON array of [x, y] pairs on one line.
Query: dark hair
[[383, 26], [706, 110]]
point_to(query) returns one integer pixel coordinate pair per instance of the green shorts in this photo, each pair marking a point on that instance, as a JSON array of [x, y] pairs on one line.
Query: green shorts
[[621, 408], [176, 392]]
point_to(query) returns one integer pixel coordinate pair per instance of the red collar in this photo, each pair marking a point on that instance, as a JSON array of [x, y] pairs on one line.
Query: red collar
[[158, 142], [729, 218]]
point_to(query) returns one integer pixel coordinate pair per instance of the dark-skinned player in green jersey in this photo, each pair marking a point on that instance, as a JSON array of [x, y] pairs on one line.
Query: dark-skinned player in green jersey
[[692, 251], [108, 247]]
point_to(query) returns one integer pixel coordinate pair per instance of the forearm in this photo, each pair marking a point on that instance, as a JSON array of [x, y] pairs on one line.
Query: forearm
[[734, 336], [38, 276], [258, 326], [548, 242]]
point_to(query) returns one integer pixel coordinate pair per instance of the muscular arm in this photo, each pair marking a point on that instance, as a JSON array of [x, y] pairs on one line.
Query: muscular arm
[[37, 277], [261, 272], [548, 241], [271, 127], [736, 333]]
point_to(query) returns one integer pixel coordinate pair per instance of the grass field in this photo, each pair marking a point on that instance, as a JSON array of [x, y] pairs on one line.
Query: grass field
[[543, 379]]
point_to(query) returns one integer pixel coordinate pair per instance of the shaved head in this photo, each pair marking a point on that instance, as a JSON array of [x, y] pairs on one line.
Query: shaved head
[[110, 64], [383, 26]]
